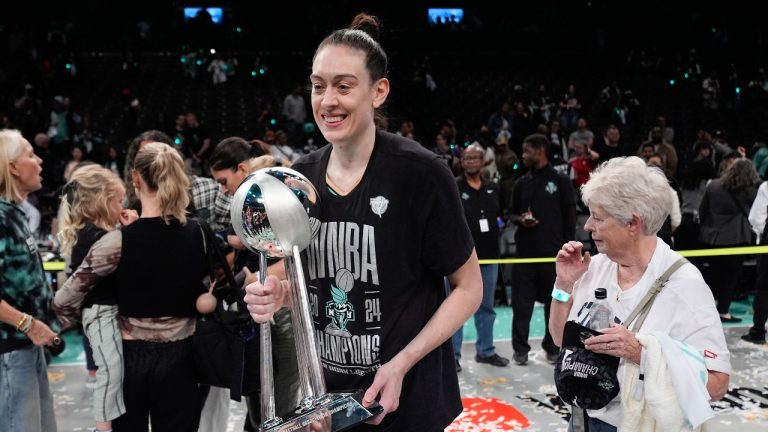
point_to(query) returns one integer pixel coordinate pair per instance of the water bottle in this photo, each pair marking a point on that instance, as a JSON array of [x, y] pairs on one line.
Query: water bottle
[[600, 315]]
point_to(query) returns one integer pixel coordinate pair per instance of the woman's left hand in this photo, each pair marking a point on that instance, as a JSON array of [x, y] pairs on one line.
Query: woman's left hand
[[617, 341]]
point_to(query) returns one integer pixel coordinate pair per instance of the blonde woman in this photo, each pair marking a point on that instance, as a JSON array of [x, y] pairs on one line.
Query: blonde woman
[[26, 404], [159, 262], [90, 208]]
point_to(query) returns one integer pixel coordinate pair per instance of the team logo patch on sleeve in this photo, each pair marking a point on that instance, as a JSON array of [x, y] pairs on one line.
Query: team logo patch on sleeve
[[710, 354], [379, 205]]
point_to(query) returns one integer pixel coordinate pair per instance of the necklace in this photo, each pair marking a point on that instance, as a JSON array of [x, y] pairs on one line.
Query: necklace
[[335, 185]]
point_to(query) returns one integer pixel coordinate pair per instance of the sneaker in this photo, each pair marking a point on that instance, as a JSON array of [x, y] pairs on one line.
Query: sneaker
[[552, 357], [458, 366], [520, 359], [729, 319], [494, 360], [749, 337]]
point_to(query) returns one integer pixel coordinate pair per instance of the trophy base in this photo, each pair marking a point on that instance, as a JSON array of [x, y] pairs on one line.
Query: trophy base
[[334, 412]]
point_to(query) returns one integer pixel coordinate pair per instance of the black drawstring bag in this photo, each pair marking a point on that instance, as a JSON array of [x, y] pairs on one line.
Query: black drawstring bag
[[226, 342], [584, 378]]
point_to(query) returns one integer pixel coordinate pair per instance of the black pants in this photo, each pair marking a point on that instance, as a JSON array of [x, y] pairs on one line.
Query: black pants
[[159, 383], [532, 282], [760, 303], [722, 276]]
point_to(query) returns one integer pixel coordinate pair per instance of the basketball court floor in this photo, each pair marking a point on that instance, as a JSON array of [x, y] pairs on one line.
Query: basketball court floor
[[513, 398]]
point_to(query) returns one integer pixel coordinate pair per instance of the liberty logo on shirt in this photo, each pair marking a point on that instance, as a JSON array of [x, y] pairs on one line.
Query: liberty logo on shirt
[[551, 187], [340, 310], [379, 205]]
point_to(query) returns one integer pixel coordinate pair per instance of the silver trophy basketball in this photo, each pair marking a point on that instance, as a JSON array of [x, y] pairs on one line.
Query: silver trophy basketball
[[270, 215]]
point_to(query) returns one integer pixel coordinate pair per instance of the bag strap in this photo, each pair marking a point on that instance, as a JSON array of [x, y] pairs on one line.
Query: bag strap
[[642, 309], [216, 257], [579, 419]]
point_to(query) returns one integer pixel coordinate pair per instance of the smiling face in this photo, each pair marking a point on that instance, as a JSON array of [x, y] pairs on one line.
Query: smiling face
[[343, 96]]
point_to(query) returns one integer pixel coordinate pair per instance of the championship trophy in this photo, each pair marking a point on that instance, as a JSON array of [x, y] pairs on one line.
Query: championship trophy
[[270, 215]]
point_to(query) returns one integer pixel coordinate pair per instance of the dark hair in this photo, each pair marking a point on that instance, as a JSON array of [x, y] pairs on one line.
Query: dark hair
[[150, 135], [233, 151], [537, 141], [701, 145], [362, 34], [740, 175]]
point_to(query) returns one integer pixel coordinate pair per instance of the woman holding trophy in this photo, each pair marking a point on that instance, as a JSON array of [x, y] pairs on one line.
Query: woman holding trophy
[[387, 228]]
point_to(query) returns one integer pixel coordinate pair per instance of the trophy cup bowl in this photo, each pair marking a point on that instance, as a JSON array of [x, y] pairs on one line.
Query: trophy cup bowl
[[274, 225], [270, 215]]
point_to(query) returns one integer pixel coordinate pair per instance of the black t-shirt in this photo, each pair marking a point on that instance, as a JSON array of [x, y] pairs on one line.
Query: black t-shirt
[[375, 271], [481, 208], [194, 137], [161, 269], [607, 152]]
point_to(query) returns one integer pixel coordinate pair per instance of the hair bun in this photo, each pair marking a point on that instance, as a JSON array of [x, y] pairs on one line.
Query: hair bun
[[368, 24]]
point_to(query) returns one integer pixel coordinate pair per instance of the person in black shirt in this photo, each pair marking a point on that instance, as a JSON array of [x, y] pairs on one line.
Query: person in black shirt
[[610, 145], [480, 199], [390, 228], [544, 208], [197, 144]]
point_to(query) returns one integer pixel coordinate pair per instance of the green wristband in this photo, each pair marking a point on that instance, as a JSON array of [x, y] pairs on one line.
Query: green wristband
[[560, 295]]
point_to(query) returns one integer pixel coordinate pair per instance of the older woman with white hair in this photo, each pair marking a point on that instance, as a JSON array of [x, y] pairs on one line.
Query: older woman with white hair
[[628, 203], [26, 404]]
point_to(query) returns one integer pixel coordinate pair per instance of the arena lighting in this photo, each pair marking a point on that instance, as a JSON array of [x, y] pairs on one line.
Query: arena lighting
[[671, 82], [239, 30], [445, 15], [216, 13], [253, 73], [213, 51], [738, 90], [685, 75]]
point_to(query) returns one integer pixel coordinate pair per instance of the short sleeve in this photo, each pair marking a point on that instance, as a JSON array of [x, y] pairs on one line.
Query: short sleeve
[[447, 240]]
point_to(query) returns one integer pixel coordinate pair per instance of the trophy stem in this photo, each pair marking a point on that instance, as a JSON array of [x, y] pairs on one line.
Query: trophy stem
[[307, 395], [315, 367], [268, 416]]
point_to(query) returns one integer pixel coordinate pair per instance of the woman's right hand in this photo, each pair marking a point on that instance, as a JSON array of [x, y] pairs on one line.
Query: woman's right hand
[[263, 300], [570, 265], [40, 334], [128, 217]]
